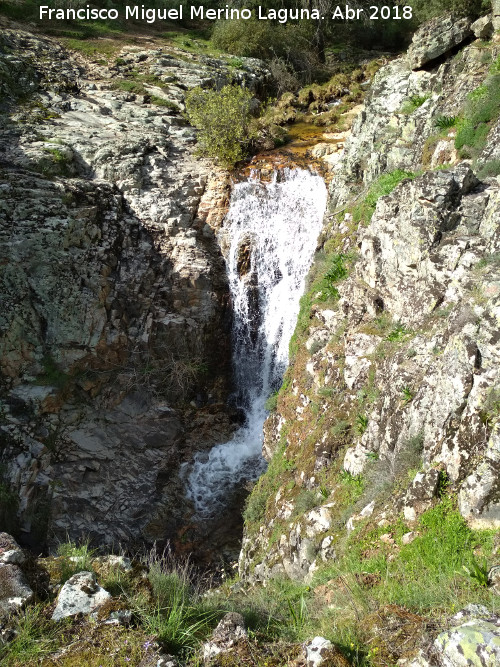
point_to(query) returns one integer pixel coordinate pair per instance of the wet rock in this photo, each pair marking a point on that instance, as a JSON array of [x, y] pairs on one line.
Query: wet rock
[[81, 594], [436, 38]]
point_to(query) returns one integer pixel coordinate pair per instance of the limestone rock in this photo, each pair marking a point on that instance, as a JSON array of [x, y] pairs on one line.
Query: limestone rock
[[473, 640], [436, 38], [496, 14], [229, 631], [14, 589], [494, 579], [483, 27], [10, 551], [419, 496], [81, 594], [316, 651]]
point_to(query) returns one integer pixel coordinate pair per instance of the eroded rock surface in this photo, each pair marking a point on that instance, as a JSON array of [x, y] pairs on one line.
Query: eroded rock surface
[[114, 346], [81, 594], [402, 373]]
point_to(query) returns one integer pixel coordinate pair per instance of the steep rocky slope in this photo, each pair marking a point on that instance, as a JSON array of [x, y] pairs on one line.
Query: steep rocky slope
[[114, 352], [393, 395]]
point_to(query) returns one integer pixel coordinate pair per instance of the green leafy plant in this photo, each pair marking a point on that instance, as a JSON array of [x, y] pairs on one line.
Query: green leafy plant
[[298, 613], [337, 271], [397, 333], [478, 571], [223, 120], [414, 103], [444, 122], [361, 424], [407, 394]]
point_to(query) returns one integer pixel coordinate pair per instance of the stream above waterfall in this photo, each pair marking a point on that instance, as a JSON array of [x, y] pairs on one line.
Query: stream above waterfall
[[271, 230]]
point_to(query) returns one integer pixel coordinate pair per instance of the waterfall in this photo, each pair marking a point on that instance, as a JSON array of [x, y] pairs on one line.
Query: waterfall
[[272, 228]]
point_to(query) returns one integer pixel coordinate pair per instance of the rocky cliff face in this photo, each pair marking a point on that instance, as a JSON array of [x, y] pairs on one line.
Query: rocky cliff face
[[393, 395], [114, 348]]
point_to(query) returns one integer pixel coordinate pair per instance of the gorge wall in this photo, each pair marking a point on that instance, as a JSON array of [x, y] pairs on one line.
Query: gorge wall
[[393, 394], [115, 325]]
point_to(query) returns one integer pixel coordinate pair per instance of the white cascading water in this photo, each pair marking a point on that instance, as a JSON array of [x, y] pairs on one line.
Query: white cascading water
[[273, 229]]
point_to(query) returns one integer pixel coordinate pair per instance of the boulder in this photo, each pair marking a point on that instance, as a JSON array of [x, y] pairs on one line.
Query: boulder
[[316, 651], [227, 634], [436, 38], [14, 589], [10, 551], [474, 639], [483, 27], [81, 594], [420, 494], [320, 651], [495, 5], [494, 579]]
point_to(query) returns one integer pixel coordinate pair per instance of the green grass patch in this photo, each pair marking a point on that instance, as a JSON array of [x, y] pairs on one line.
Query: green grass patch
[[75, 558], [440, 570], [36, 638], [415, 102], [267, 485], [162, 102], [383, 186], [179, 616], [482, 110]]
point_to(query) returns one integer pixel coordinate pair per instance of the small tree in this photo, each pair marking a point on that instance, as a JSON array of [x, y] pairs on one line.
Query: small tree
[[223, 118]]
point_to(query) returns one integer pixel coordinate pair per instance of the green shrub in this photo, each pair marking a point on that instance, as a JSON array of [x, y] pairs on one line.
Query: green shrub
[[223, 118], [306, 500], [427, 9], [290, 43]]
